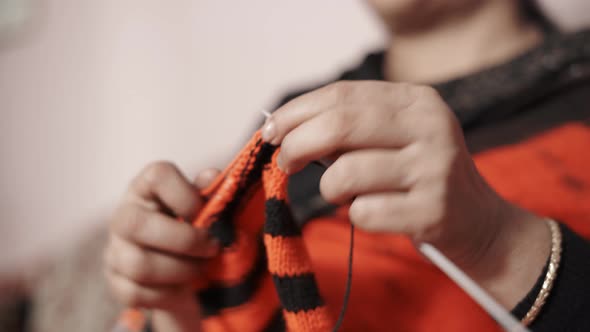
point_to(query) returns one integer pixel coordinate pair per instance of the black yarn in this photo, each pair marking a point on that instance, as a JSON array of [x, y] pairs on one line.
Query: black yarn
[[277, 209], [219, 296], [298, 293], [348, 282]]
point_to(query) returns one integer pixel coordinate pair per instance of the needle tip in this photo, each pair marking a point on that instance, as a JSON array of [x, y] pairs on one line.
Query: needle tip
[[266, 113]]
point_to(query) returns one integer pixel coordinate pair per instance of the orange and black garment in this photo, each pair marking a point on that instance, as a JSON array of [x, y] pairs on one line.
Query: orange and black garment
[[263, 280]]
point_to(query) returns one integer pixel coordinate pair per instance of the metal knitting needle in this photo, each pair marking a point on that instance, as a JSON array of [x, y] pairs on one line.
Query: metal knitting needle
[[478, 294]]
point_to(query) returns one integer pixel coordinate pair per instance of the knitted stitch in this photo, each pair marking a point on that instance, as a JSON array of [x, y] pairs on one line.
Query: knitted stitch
[[264, 268]]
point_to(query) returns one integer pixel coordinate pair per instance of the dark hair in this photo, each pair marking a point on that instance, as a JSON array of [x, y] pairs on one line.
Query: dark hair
[[531, 11]]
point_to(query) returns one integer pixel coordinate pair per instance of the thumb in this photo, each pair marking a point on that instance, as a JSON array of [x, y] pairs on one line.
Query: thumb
[[205, 177]]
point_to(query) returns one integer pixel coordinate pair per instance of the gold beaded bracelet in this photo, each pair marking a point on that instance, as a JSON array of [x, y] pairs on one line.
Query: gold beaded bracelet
[[550, 276]]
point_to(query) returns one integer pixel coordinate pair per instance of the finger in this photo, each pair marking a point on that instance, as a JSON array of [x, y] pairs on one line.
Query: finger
[[384, 212], [302, 108], [367, 171], [396, 96], [134, 294], [204, 178], [344, 129], [158, 231], [149, 267], [163, 183]]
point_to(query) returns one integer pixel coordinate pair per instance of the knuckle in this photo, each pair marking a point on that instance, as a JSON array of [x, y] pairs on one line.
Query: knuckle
[[358, 213], [423, 91], [190, 245], [407, 94], [406, 168], [436, 119], [132, 296], [156, 171], [135, 263], [408, 89], [340, 90], [435, 128], [423, 96], [367, 216], [343, 179], [327, 190], [125, 292], [131, 221], [445, 123], [365, 221], [339, 128]]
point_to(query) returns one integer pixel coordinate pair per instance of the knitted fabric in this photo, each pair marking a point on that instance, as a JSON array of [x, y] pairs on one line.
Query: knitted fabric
[[263, 277], [394, 288]]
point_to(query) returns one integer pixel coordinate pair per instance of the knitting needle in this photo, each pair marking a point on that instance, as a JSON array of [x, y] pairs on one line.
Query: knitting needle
[[485, 300], [266, 113]]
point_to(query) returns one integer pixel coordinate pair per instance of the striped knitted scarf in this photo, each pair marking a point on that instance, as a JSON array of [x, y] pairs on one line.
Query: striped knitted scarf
[[263, 279]]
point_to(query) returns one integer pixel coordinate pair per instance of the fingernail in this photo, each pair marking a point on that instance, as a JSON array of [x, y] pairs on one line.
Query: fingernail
[[269, 131]]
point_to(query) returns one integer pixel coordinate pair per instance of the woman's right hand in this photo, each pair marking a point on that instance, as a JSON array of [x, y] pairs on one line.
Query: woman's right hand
[[152, 258]]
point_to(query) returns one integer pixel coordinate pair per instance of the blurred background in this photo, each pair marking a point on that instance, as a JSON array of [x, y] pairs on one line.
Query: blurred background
[[90, 91]]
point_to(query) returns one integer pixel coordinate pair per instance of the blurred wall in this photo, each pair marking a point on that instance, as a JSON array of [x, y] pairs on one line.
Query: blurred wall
[[90, 91]]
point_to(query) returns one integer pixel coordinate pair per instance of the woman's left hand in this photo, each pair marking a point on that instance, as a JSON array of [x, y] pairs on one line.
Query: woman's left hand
[[401, 159]]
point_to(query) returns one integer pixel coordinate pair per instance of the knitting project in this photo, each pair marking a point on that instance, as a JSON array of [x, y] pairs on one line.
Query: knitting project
[[263, 279]]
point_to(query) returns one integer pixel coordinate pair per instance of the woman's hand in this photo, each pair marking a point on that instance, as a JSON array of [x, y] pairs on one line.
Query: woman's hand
[[152, 257], [401, 159]]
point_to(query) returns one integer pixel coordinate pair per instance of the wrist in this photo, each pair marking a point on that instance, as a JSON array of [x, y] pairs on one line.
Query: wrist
[[515, 257]]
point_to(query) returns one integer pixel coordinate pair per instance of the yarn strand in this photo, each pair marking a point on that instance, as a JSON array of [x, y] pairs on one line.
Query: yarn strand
[[348, 282]]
